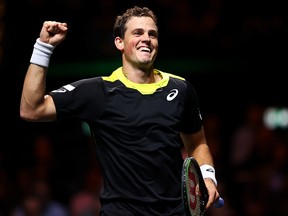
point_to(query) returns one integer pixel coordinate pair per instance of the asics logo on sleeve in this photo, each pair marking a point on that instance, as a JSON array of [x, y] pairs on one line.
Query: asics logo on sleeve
[[173, 94], [64, 88]]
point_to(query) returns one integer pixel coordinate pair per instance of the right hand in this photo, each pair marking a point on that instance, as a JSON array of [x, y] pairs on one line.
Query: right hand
[[53, 32]]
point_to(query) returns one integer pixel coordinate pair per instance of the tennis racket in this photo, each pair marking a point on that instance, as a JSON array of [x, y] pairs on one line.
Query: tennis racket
[[194, 192]]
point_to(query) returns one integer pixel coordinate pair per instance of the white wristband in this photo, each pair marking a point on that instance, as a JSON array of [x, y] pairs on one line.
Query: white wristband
[[41, 53], [208, 172]]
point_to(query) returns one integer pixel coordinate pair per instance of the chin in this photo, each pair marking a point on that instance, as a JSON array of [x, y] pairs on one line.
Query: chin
[[146, 62]]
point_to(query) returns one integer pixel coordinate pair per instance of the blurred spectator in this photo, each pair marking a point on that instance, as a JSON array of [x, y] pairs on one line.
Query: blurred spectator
[[86, 201], [244, 139], [30, 206], [38, 202], [242, 160], [39, 163], [44, 160]]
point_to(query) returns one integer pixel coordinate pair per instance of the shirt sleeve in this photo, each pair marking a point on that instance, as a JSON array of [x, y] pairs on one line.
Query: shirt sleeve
[[191, 119], [82, 99]]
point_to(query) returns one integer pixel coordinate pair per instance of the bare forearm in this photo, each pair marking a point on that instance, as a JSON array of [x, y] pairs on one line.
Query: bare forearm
[[203, 154], [196, 146]]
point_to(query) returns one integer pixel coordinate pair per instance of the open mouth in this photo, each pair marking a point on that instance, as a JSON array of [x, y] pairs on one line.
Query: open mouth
[[145, 49]]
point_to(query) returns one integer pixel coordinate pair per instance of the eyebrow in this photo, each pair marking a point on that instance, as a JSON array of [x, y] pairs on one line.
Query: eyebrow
[[141, 29]]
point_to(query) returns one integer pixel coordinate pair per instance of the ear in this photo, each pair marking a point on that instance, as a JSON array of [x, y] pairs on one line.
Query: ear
[[119, 43]]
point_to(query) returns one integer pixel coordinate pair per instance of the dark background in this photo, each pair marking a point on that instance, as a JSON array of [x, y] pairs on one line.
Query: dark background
[[233, 52]]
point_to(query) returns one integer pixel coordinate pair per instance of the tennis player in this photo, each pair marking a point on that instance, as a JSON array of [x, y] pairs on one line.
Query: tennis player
[[139, 117]]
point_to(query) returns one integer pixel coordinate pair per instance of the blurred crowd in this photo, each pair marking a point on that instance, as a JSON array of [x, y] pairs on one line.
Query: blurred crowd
[[199, 29], [253, 164], [44, 179]]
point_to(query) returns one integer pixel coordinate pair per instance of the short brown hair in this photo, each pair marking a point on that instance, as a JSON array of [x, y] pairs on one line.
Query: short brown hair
[[121, 20]]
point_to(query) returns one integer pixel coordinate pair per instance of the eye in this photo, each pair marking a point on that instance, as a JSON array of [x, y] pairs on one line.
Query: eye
[[153, 34], [137, 33]]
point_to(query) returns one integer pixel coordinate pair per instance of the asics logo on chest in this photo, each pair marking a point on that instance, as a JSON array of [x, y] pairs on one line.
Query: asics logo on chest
[[173, 94]]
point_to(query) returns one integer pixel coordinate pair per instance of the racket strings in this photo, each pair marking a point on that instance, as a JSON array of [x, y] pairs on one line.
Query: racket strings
[[193, 192]]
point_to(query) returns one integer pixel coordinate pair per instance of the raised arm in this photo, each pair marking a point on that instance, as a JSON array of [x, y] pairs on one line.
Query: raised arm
[[196, 146], [35, 105]]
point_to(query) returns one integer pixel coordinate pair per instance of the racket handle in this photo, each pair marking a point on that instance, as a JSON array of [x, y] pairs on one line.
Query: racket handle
[[219, 203]]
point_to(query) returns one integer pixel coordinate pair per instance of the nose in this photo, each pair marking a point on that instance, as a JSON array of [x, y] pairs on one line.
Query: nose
[[146, 37]]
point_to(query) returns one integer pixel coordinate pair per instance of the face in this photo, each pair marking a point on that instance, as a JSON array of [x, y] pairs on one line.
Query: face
[[140, 43]]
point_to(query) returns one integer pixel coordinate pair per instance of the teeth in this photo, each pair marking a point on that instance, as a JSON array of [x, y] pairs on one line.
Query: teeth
[[146, 49]]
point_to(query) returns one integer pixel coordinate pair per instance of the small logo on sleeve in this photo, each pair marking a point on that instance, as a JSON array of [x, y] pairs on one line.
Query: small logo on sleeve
[[64, 89]]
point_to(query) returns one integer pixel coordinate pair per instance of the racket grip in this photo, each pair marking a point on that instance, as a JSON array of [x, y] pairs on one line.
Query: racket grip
[[219, 203]]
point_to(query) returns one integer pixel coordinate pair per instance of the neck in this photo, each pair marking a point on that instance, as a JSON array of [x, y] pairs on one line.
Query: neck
[[141, 76]]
